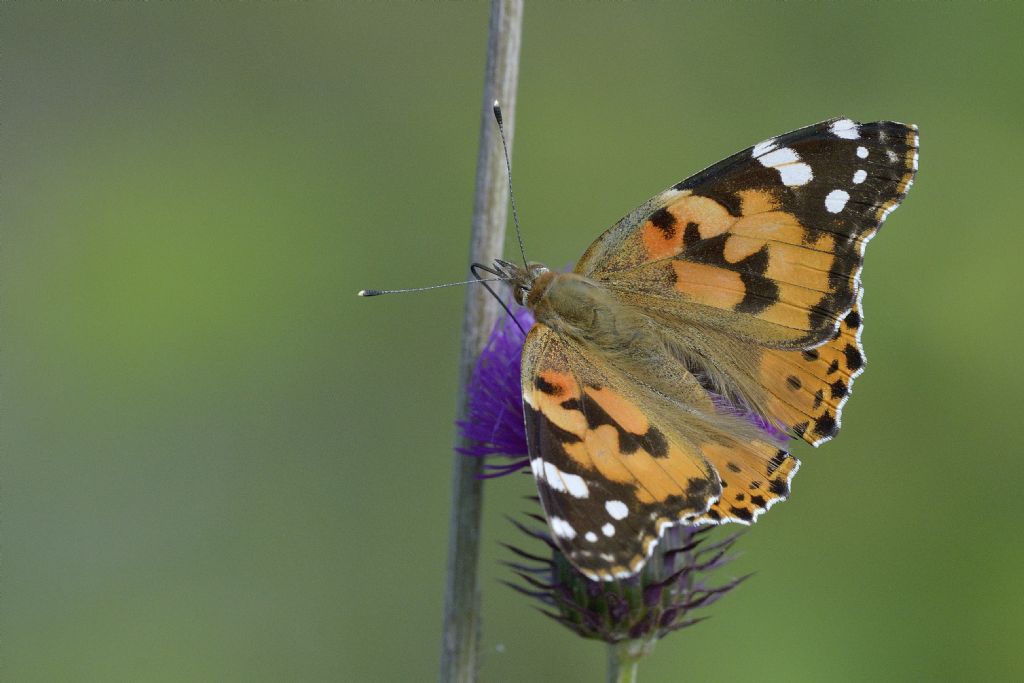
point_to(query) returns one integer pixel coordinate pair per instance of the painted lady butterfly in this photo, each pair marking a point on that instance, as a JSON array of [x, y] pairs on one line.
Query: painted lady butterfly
[[733, 293]]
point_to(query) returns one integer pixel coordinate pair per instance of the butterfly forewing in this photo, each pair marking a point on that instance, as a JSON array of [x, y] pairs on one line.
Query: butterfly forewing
[[770, 239], [616, 461], [609, 477]]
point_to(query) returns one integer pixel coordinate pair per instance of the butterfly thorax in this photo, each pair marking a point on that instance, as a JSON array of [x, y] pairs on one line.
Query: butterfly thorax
[[579, 308], [582, 309]]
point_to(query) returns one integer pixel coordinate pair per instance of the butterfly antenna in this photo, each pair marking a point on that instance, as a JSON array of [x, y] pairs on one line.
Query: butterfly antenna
[[508, 167], [479, 266], [378, 292]]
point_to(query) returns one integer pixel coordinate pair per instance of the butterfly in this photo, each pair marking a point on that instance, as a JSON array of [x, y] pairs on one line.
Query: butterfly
[[731, 298]]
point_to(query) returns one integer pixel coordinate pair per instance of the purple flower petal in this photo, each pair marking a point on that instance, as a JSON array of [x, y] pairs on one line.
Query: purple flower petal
[[494, 420]]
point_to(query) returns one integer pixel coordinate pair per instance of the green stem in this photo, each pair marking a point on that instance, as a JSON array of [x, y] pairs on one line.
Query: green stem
[[461, 630], [624, 660]]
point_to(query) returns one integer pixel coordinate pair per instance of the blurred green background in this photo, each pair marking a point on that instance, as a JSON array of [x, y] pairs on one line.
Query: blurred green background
[[220, 465]]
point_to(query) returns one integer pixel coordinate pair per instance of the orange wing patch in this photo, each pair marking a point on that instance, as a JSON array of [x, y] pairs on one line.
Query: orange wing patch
[[604, 433], [753, 479], [709, 285], [762, 261], [684, 219], [626, 414], [809, 388], [551, 389]]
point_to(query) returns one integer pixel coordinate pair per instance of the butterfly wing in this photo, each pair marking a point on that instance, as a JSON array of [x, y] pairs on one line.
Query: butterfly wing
[[766, 247], [616, 462], [809, 388], [767, 244], [751, 483]]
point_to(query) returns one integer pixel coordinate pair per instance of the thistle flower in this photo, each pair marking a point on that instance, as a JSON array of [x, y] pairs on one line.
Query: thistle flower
[[494, 423], [632, 614]]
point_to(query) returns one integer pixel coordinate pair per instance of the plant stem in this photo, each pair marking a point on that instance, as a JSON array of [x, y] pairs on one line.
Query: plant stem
[[624, 661], [460, 635]]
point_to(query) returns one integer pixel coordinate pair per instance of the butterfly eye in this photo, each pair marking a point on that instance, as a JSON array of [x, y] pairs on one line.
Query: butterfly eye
[[520, 293]]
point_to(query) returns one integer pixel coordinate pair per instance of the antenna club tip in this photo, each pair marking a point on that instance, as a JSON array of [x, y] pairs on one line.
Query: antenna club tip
[[497, 111], [368, 292]]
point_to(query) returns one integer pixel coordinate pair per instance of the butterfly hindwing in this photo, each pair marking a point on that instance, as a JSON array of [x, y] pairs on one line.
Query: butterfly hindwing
[[751, 483], [809, 388]]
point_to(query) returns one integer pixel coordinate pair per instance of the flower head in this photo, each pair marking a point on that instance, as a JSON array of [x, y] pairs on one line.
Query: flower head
[[494, 421], [644, 608]]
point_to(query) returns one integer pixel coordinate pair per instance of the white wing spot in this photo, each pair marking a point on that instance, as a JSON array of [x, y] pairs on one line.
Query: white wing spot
[[860, 176], [617, 509], [845, 128], [573, 484], [836, 200], [764, 147], [562, 528], [779, 157], [537, 465], [862, 152], [576, 485], [590, 536], [795, 175], [786, 161], [608, 530], [892, 156]]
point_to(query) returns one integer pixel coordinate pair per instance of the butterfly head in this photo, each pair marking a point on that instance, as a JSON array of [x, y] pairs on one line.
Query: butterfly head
[[521, 280]]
